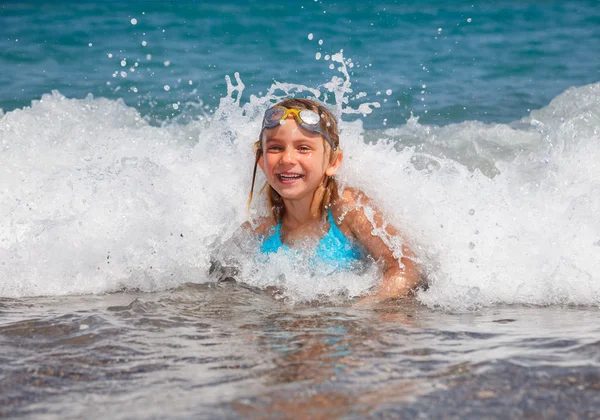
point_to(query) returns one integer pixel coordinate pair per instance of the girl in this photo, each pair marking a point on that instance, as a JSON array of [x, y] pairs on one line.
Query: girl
[[298, 151]]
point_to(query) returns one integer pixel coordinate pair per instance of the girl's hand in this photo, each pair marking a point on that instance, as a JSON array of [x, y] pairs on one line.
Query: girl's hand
[[399, 282]]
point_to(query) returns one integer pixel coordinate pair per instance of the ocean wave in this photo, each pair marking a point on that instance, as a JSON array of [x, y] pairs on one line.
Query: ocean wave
[[95, 199]]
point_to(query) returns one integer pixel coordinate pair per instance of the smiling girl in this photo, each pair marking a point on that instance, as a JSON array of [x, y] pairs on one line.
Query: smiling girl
[[299, 154]]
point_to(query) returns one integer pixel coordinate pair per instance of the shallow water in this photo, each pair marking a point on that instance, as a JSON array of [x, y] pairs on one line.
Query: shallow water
[[229, 350]]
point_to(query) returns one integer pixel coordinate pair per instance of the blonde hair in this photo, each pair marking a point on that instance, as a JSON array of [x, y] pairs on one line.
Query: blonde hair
[[328, 190]]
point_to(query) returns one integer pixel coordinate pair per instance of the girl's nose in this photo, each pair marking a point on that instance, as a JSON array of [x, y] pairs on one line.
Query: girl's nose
[[289, 156]]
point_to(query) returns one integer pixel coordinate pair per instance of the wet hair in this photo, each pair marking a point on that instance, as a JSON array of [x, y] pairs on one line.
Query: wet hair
[[329, 124]]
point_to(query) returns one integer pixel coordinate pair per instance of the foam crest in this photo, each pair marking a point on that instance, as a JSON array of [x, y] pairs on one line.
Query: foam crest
[[95, 199]]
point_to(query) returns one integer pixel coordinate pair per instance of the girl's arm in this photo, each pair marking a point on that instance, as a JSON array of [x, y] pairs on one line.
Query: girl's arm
[[400, 277]]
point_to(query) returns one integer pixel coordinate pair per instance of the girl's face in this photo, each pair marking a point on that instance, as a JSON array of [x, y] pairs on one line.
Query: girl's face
[[295, 160]]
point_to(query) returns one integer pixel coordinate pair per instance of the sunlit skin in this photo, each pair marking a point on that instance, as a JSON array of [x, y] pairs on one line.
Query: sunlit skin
[[296, 162]]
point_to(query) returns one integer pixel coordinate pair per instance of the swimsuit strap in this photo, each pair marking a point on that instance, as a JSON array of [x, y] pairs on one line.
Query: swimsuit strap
[[334, 230], [272, 242], [335, 247]]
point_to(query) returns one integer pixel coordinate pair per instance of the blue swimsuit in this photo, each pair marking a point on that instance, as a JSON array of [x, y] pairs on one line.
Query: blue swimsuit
[[334, 248]]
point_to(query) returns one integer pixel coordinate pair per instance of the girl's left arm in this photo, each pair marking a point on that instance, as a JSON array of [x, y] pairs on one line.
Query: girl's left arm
[[400, 276]]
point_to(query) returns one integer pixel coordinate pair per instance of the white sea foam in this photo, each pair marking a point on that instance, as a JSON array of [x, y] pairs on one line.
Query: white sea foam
[[94, 199]]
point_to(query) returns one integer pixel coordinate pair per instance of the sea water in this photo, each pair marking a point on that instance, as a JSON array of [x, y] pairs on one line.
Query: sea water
[[126, 132]]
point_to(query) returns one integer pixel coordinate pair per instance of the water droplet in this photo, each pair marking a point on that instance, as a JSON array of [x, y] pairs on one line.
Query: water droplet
[[471, 212], [90, 44], [388, 92], [471, 245], [123, 63], [109, 55], [123, 74], [167, 88], [318, 56], [134, 21], [144, 43], [310, 37], [320, 42], [166, 63], [469, 20], [175, 106], [471, 260]]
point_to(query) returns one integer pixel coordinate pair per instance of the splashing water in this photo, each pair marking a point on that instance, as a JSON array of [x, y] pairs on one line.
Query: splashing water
[[95, 199]]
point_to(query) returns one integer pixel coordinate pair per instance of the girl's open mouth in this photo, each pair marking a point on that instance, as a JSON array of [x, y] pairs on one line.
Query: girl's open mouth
[[289, 178]]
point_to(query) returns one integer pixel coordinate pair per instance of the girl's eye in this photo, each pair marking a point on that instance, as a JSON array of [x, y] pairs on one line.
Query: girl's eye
[[275, 148], [304, 149]]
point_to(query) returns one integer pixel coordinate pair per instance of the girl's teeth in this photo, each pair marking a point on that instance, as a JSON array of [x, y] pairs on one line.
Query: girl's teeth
[[289, 176]]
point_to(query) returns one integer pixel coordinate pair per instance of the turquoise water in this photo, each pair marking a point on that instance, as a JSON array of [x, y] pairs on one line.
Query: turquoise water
[[474, 127], [485, 61]]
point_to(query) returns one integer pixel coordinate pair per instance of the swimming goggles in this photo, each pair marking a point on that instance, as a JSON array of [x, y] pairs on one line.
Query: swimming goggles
[[305, 118]]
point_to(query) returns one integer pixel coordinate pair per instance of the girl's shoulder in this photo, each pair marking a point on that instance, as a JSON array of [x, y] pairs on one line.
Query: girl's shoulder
[[349, 203], [260, 225], [348, 210], [356, 212]]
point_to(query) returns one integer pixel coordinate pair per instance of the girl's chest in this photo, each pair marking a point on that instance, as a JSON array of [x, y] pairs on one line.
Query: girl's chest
[[310, 236], [303, 236]]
